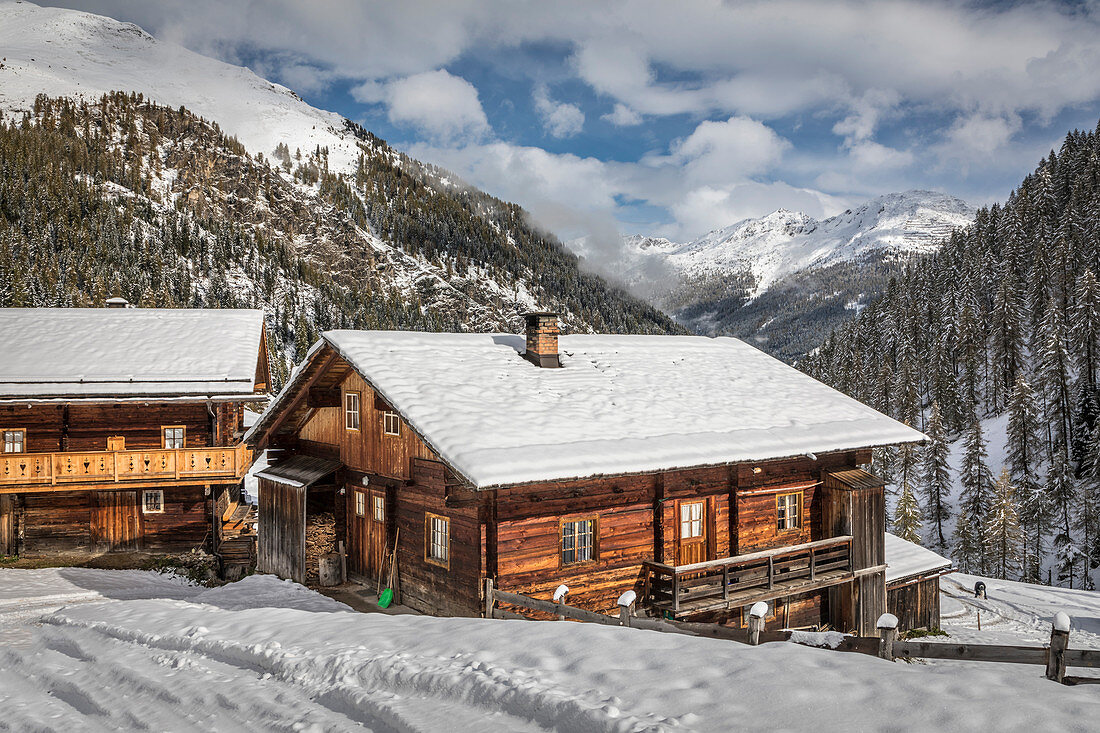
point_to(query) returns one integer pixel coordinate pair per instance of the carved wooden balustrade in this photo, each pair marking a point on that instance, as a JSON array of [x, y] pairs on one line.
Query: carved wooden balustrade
[[21, 472]]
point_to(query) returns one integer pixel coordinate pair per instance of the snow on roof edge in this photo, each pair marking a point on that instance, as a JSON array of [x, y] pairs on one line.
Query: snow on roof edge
[[906, 559]]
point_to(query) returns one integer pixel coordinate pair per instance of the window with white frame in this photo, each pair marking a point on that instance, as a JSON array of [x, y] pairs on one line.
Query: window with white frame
[[578, 541], [437, 548], [391, 423], [152, 501], [360, 504], [789, 511], [15, 441], [351, 410], [173, 436], [378, 507], [691, 520]]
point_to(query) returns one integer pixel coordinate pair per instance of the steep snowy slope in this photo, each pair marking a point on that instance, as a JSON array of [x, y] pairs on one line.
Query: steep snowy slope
[[393, 242], [67, 53], [784, 242]]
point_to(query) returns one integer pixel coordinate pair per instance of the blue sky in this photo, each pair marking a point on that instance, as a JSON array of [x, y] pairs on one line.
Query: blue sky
[[673, 118]]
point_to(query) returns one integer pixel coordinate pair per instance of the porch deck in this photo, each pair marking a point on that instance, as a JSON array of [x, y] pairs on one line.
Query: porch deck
[[731, 582], [65, 471]]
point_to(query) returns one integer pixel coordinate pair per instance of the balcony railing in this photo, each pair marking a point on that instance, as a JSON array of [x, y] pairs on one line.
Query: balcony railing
[[37, 470], [736, 581]]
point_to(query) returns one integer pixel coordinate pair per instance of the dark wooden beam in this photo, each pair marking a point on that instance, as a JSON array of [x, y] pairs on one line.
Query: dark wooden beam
[[322, 397]]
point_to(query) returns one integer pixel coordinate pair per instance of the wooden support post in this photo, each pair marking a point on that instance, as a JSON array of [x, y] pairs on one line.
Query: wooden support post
[[490, 600], [756, 621], [626, 607], [771, 571], [887, 634], [813, 570], [559, 599], [1059, 641], [675, 592], [725, 582]]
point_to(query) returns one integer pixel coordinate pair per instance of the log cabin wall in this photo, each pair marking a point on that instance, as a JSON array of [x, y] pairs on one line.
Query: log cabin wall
[[86, 427], [450, 588], [106, 521], [528, 537], [638, 518], [757, 493]]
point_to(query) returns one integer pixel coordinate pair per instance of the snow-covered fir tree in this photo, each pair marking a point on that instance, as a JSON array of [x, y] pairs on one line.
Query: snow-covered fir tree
[[975, 500], [907, 516], [936, 480], [1005, 318], [1004, 539]]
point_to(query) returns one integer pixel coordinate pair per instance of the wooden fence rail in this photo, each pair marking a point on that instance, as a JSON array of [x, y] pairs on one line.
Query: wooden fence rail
[[1057, 657]]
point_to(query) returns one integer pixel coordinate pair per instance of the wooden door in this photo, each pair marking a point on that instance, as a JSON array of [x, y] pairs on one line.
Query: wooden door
[[116, 521], [358, 499], [367, 536], [377, 537], [692, 532], [9, 539]]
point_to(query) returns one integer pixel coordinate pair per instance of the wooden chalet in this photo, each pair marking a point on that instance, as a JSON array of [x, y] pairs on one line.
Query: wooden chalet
[[122, 428], [700, 472], [913, 583]]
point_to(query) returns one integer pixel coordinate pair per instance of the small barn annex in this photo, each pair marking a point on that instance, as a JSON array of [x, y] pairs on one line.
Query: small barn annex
[[122, 426], [700, 472], [913, 583]]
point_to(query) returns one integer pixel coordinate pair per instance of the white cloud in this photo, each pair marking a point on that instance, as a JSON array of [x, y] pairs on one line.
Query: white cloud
[[707, 208], [622, 116], [720, 152], [560, 119], [443, 106]]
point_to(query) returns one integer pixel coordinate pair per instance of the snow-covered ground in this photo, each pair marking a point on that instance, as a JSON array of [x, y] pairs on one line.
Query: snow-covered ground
[[109, 650]]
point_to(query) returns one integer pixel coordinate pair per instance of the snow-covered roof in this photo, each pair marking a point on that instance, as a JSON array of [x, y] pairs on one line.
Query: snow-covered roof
[[906, 560], [98, 352], [619, 404]]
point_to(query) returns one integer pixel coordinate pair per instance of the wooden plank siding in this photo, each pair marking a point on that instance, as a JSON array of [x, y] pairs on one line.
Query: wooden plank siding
[[367, 449], [105, 521], [282, 525], [916, 603]]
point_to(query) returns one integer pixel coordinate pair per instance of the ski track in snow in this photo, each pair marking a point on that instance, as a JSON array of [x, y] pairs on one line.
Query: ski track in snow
[[1015, 613], [93, 675]]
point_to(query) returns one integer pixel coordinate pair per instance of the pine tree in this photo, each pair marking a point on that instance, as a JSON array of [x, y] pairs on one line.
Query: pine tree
[[974, 499], [907, 516], [1060, 492], [1004, 538], [936, 479]]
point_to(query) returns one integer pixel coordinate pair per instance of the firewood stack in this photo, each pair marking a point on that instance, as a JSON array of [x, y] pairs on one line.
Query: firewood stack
[[320, 540]]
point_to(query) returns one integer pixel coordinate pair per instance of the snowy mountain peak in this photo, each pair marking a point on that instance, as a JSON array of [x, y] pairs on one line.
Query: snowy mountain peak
[[69, 53], [784, 242]]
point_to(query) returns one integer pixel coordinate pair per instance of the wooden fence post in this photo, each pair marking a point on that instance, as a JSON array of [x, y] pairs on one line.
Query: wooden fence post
[[887, 633], [756, 621], [559, 598], [490, 600], [1059, 641], [626, 606]]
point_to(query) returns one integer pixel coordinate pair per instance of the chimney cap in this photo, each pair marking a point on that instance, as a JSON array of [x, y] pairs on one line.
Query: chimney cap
[[117, 302], [542, 313]]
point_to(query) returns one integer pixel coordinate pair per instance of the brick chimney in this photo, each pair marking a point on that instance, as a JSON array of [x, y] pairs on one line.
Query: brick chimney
[[542, 339]]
